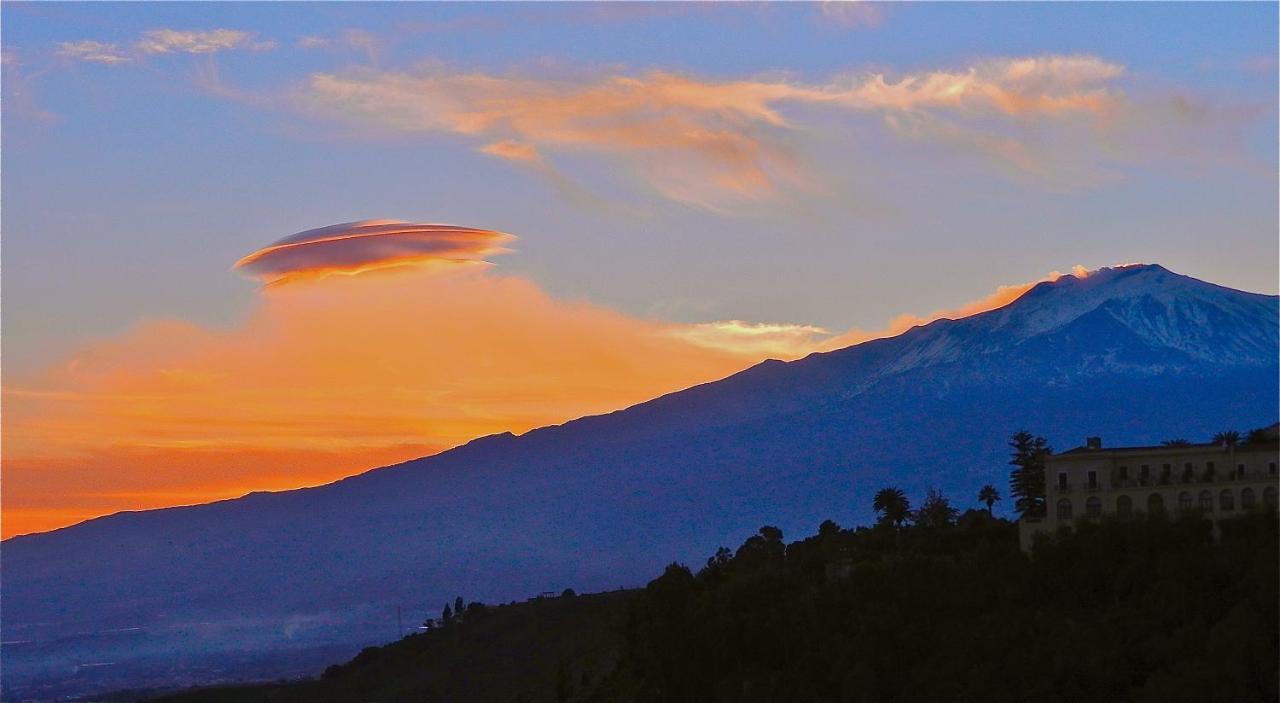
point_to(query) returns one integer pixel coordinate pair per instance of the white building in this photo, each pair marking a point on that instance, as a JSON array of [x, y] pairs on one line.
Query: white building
[[1216, 480]]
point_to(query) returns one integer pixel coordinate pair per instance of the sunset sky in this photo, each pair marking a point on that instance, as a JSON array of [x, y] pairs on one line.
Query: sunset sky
[[261, 246]]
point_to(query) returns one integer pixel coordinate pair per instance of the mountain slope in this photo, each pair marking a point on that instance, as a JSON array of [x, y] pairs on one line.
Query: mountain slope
[[1138, 353]]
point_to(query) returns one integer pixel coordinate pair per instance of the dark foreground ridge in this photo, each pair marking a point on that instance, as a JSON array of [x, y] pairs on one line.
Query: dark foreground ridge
[[608, 500], [1137, 610]]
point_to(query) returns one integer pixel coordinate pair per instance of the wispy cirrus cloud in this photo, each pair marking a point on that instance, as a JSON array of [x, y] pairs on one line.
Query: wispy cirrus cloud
[[850, 14], [370, 245], [716, 143], [177, 41], [93, 51], [162, 41]]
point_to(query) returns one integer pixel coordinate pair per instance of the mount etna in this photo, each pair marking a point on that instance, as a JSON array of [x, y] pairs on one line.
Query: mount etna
[[1137, 354]]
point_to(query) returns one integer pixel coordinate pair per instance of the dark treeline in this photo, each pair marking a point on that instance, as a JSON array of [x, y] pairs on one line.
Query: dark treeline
[[1142, 610], [925, 605], [1150, 610]]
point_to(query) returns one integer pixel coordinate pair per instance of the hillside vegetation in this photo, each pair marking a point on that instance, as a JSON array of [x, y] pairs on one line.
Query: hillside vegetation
[[938, 609]]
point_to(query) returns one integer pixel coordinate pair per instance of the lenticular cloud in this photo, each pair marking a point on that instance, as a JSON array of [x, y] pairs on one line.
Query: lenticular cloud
[[357, 247]]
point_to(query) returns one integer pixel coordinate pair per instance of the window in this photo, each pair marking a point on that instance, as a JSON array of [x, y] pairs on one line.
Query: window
[[1124, 505], [1093, 506], [1247, 499], [1064, 509], [1226, 501], [1206, 501], [1187, 474], [1269, 495], [1093, 479], [1155, 504], [1184, 501], [1239, 470], [1165, 472], [1144, 474], [1271, 468], [1124, 473], [1208, 467], [1062, 481]]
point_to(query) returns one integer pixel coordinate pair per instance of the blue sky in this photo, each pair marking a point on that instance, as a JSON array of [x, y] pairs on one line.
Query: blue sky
[[131, 188]]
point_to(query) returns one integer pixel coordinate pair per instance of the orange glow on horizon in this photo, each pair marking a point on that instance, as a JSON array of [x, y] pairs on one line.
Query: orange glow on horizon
[[323, 379], [329, 378]]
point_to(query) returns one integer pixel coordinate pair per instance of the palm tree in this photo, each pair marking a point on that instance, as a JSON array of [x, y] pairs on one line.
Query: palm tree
[[988, 495], [892, 505], [1229, 438]]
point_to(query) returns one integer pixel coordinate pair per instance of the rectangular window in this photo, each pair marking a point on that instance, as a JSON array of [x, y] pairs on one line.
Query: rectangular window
[[1062, 481], [1271, 468], [1239, 470], [1146, 471], [1124, 472], [1093, 479]]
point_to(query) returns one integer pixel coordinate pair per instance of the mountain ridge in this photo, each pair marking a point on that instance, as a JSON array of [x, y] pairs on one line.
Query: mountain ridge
[[599, 501]]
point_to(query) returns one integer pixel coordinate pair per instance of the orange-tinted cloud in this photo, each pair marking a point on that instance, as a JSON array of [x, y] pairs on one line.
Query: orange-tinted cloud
[[764, 339], [327, 377], [706, 142], [324, 378], [358, 247]]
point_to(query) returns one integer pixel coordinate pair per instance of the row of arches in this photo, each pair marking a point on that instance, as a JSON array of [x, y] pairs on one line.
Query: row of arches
[[1155, 502]]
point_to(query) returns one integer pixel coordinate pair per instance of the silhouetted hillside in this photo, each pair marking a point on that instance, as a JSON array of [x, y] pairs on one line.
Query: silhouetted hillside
[[1137, 352], [1142, 610], [529, 651]]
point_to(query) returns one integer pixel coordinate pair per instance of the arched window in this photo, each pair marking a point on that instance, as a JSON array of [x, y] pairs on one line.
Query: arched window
[[1247, 499], [1184, 501], [1206, 501], [1155, 503], [1226, 500], [1093, 506], [1124, 505], [1269, 496], [1064, 509]]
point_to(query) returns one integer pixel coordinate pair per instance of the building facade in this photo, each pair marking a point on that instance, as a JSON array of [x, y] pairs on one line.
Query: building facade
[[1216, 480]]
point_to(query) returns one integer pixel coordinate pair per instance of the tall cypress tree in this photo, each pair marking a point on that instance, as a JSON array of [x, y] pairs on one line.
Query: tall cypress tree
[[1026, 480]]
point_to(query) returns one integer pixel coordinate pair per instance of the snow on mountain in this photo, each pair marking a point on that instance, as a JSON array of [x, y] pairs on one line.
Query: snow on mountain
[[1135, 353]]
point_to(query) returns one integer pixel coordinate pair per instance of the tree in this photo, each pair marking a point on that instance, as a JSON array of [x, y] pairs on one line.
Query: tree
[[1179, 442], [989, 495], [1260, 435], [936, 511], [764, 551], [446, 617], [828, 528], [892, 506], [1026, 480], [1227, 438], [717, 568]]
